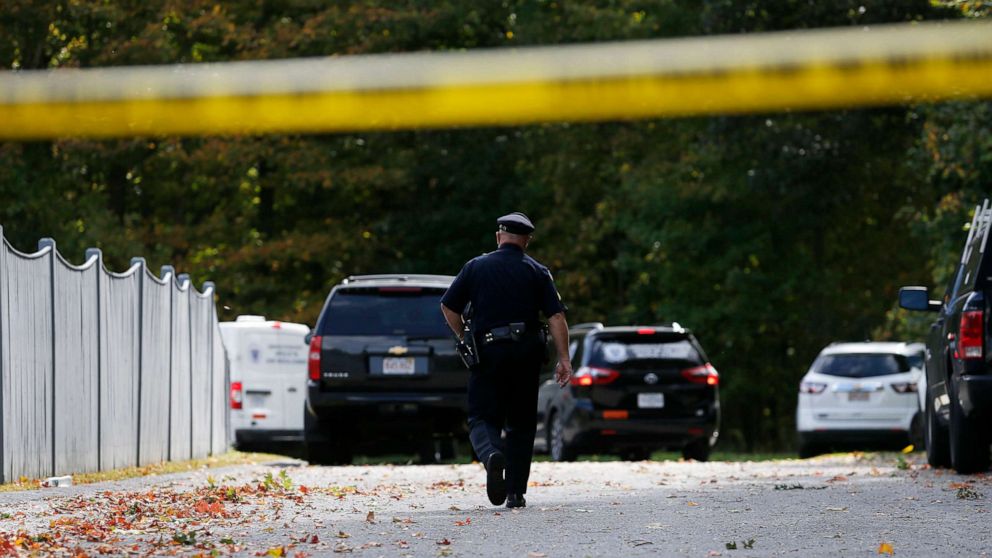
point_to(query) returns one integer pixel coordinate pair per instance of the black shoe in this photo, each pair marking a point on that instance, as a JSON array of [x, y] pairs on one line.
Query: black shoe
[[495, 484], [515, 501]]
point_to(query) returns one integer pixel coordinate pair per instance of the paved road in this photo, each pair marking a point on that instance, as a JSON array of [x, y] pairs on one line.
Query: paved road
[[830, 506]]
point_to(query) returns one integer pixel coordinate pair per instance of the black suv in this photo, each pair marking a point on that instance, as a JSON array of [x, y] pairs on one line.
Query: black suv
[[635, 390], [958, 398], [383, 372]]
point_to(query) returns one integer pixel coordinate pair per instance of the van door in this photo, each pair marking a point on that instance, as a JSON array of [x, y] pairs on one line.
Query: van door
[[274, 371], [287, 355]]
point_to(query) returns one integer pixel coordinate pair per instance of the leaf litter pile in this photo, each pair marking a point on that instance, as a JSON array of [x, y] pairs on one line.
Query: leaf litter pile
[[199, 521], [159, 521]]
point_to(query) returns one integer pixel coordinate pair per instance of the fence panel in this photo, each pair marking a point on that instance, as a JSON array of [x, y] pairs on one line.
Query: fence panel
[[200, 332], [119, 378], [156, 351], [181, 420], [27, 371], [102, 370], [77, 374], [219, 411]]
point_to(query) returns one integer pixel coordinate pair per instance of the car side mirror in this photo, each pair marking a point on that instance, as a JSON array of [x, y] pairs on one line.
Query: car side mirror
[[308, 338], [917, 298]]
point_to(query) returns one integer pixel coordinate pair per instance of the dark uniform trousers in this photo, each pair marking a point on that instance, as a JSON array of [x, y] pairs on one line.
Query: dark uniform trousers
[[502, 395]]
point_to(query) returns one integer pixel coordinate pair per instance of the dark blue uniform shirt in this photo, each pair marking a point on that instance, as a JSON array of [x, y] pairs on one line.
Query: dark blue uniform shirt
[[504, 287]]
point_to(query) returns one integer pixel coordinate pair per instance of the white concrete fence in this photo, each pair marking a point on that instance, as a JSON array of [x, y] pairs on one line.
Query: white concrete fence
[[102, 370]]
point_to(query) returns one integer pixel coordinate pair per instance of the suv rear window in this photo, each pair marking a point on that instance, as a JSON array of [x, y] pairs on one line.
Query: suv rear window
[[629, 351], [861, 366], [411, 313]]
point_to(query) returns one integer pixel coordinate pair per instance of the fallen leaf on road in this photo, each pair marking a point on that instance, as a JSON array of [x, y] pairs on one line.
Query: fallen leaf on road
[[536, 554], [444, 542], [843, 509], [445, 551], [468, 521], [370, 518], [886, 548], [404, 520], [343, 535], [342, 548], [714, 553], [838, 478], [455, 508], [691, 504]]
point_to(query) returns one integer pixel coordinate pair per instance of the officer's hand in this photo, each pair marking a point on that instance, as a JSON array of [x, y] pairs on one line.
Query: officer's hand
[[563, 372]]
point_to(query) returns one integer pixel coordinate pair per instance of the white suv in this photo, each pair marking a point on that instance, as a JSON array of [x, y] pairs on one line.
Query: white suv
[[861, 393]]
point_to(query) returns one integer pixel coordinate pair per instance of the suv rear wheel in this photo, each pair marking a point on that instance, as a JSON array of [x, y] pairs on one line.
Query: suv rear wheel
[[559, 450], [935, 436], [320, 448], [807, 448], [969, 443], [697, 450]]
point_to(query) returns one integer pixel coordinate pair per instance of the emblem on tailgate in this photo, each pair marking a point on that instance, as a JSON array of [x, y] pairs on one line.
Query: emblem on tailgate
[[397, 350], [651, 378]]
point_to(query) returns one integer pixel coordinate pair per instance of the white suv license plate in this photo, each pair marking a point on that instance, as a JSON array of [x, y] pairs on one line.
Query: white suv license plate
[[650, 400], [398, 366]]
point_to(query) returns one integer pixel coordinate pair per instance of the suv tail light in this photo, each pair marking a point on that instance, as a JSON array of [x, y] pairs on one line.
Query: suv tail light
[[970, 334], [812, 387], [704, 374], [905, 387], [593, 376], [313, 359], [236, 395]]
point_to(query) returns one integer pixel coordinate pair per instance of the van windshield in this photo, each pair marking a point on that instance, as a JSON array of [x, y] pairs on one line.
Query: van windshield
[[411, 313], [861, 366]]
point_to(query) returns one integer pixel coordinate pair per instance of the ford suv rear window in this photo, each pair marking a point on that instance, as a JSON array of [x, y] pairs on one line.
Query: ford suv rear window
[[628, 352], [861, 366], [407, 312]]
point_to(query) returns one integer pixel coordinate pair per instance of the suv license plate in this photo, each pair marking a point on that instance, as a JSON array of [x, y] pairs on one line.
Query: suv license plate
[[650, 400], [398, 366], [858, 396]]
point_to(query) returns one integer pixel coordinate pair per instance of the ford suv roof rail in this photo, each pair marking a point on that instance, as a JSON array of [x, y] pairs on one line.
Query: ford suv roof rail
[[399, 277]]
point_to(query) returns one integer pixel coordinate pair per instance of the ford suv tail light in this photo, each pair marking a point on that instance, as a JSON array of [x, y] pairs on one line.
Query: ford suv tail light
[[236, 395], [704, 374], [592, 376], [970, 334], [811, 387], [905, 387], [313, 359]]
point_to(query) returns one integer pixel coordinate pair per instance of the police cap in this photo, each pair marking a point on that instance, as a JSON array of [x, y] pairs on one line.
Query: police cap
[[515, 223]]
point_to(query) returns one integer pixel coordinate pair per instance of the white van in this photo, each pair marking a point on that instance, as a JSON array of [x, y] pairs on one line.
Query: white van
[[268, 380]]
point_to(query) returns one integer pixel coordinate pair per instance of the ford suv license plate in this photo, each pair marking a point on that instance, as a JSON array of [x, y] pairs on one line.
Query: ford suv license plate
[[398, 366], [650, 400]]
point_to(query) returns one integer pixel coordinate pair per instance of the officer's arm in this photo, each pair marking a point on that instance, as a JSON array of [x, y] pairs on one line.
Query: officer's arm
[[559, 332], [454, 320]]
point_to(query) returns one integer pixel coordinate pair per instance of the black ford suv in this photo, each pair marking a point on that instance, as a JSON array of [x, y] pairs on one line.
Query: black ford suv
[[958, 397], [383, 372], [634, 390]]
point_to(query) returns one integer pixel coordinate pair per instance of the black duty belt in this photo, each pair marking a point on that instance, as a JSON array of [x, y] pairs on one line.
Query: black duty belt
[[517, 331]]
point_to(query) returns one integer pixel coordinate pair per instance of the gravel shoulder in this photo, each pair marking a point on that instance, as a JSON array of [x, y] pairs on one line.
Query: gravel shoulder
[[847, 505]]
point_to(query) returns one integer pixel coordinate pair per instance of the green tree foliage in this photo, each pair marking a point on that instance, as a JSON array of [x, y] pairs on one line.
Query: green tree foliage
[[768, 235]]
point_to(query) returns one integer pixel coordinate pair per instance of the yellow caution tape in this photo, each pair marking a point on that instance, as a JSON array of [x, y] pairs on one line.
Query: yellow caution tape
[[819, 69]]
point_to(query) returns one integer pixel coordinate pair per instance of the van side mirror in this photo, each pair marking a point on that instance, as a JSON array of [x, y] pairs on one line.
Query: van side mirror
[[308, 338], [917, 298]]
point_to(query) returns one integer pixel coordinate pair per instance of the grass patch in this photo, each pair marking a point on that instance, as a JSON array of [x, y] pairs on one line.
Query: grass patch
[[464, 457], [224, 460]]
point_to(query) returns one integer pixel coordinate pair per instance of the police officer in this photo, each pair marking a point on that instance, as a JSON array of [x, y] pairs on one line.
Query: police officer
[[508, 290]]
